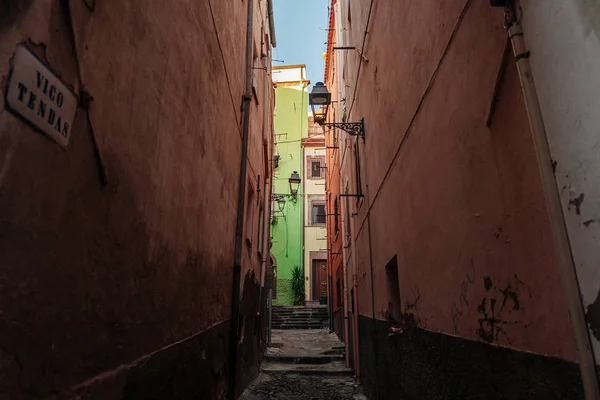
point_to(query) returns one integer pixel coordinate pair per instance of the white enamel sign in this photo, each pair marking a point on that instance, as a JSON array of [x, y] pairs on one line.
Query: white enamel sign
[[40, 97]]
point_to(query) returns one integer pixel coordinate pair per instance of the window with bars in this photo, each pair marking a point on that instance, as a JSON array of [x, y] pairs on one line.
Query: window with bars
[[336, 222], [318, 213], [338, 287], [315, 169], [357, 165]]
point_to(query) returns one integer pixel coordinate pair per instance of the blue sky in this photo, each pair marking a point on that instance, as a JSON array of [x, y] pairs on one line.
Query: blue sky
[[301, 33]]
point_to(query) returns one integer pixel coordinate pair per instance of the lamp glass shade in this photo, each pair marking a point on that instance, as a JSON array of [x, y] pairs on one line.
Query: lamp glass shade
[[281, 203], [294, 183], [319, 95]]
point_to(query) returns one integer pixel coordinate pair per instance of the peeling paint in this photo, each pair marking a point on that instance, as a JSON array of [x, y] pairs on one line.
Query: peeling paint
[[592, 316], [577, 203], [588, 222]]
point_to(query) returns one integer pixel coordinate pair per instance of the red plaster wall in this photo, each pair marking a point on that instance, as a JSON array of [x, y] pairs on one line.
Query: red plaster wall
[[459, 203], [94, 277]]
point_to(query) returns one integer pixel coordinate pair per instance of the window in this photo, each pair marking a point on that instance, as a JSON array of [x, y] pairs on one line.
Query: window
[[255, 71], [318, 213], [259, 222], [338, 287], [349, 13], [393, 292], [315, 169], [348, 233], [250, 215], [334, 128], [260, 230], [336, 224], [357, 164]]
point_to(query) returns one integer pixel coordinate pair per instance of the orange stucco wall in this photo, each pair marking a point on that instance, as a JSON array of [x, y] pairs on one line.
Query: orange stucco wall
[[458, 202]]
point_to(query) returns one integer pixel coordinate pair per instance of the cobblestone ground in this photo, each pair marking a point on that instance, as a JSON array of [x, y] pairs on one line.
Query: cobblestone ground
[[304, 365], [301, 387]]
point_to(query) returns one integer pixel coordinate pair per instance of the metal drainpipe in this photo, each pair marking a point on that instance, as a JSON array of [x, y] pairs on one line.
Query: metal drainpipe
[[265, 238], [368, 216], [587, 363], [267, 192], [345, 276], [355, 335], [271, 23], [303, 198], [239, 227]]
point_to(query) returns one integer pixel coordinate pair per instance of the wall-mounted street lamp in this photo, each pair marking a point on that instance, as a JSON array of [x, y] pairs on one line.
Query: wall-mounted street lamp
[[281, 203], [294, 183], [320, 96]]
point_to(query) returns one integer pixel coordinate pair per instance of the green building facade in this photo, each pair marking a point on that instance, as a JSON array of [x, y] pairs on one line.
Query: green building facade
[[291, 125]]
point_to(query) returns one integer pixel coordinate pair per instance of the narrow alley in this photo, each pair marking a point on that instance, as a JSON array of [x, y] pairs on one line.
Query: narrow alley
[[299, 199], [304, 365]]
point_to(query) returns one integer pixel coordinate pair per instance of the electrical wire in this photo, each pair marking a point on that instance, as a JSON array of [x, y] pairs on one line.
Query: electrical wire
[[362, 51], [224, 64]]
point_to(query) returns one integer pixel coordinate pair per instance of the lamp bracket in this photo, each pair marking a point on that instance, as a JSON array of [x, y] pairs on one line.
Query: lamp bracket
[[352, 128], [276, 196]]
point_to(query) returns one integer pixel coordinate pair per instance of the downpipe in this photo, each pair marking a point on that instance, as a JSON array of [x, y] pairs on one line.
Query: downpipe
[[345, 276], [265, 238], [239, 227], [267, 193], [587, 363], [346, 313]]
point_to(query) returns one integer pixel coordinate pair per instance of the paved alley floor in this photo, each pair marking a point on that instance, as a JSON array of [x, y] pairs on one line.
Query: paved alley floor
[[304, 365]]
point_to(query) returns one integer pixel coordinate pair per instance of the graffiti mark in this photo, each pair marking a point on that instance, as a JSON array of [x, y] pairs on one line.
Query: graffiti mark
[[490, 325], [497, 232], [458, 310], [592, 317], [577, 203], [510, 294], [410, 316], [588, 222], [492, 320], [554, 164], [487, 283]]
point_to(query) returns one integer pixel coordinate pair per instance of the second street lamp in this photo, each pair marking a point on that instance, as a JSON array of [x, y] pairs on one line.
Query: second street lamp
[[294, 183]]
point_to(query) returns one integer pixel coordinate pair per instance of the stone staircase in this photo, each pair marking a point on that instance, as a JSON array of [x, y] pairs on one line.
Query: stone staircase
[[307, 352], [308, 317]]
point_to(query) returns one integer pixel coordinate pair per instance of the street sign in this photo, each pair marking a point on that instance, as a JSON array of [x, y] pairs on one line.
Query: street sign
[[38, 96]]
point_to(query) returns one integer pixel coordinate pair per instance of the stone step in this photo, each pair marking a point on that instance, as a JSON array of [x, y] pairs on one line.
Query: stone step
[[320, 359], [337, 368], [298, 327], [300, 313], [307, 316], [299, 319]]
